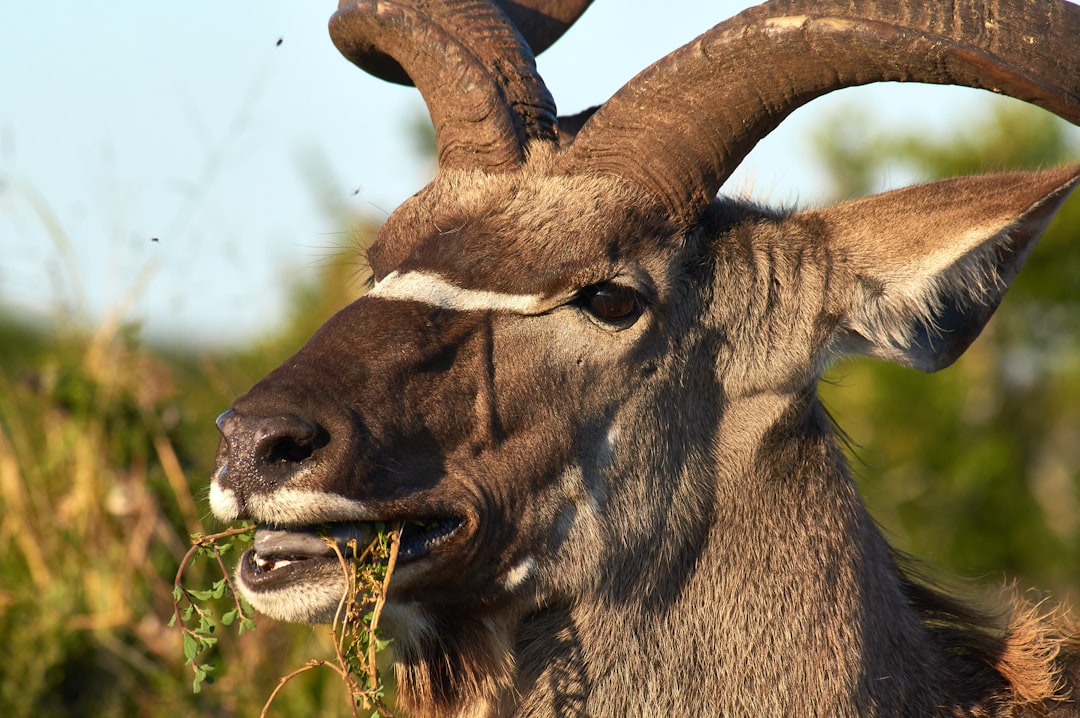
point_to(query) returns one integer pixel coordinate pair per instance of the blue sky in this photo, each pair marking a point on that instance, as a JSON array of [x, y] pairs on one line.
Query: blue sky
[[190, 123]]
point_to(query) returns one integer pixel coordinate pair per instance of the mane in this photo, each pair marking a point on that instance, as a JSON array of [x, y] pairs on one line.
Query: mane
[[1032, 649]]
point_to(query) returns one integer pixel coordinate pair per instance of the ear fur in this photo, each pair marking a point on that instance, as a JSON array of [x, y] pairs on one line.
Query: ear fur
[[919, 271]]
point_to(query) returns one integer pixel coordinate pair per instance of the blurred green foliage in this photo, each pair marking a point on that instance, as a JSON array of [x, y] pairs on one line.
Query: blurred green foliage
[[975, 468]]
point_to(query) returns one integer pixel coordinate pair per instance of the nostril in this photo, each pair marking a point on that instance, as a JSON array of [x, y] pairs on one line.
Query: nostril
[[294, 448], [282, 440], [271, 446]]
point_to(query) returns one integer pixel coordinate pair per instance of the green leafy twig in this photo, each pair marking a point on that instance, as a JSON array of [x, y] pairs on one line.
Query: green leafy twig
[[196, 620], [356, 642]]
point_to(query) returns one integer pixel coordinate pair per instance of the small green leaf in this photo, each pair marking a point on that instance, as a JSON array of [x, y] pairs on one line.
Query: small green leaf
[[206, 624], [228, 617], [191, 649]]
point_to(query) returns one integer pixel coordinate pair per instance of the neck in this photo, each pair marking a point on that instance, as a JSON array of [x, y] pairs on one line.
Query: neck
[[791, 602]]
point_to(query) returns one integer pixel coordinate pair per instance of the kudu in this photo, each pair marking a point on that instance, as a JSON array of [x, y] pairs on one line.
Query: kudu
[[587, 386]]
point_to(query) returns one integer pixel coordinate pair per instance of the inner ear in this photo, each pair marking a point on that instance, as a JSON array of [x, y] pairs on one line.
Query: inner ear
[[919, 271]]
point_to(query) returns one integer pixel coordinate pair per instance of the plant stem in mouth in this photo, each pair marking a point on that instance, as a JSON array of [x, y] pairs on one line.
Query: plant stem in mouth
[[367, 579], [380, 601]]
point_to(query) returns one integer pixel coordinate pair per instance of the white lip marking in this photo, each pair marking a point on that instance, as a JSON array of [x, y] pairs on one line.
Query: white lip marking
[[223, 503], [436, 291], [299, 507]]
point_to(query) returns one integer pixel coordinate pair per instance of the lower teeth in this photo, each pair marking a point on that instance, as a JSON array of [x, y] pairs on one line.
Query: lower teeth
[[270, 565]]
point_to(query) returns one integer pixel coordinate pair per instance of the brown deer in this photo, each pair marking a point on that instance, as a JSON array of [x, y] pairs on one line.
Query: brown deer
[[587, 386]]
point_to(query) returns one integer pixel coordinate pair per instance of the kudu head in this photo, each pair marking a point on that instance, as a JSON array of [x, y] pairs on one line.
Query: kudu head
[[577, 369]]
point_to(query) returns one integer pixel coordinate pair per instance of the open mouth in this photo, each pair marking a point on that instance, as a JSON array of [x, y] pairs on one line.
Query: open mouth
[[288, 555]]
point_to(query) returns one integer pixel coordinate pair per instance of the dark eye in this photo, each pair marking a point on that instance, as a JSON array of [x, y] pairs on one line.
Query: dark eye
[[612, 303]]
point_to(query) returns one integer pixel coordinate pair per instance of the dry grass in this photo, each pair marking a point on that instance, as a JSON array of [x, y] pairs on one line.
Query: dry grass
[[101, 442]]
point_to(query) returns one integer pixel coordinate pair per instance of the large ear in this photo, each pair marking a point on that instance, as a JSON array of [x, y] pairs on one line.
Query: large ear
[[917, 272]]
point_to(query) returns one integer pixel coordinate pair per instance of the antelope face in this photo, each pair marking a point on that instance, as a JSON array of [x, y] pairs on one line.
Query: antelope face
[[440, 400]]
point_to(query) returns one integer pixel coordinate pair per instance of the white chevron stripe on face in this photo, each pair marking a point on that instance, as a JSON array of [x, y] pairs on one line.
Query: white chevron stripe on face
[[436, 291]]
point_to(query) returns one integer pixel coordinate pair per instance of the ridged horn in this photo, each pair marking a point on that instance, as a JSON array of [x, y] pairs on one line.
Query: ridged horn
[[683, 125], [542, 22], [474, 70]]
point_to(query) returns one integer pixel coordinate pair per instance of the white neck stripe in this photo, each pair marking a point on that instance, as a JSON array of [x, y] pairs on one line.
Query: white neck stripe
[[436, 291]]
